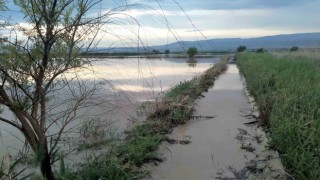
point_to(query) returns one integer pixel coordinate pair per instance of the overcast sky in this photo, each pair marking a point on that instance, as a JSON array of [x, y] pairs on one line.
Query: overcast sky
[[164, 21]]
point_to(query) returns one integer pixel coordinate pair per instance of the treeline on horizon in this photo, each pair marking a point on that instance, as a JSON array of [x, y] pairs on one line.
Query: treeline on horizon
[[240, 48]]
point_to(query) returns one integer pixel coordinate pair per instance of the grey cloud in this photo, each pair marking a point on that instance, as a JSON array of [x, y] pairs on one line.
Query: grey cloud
[[224, 4], [302, 17]]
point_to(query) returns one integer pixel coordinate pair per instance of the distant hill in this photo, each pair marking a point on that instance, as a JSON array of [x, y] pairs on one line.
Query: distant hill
[[224, 44]]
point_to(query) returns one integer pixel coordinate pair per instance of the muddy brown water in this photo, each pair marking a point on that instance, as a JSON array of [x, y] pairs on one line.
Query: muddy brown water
[[223, 147], [124, 85]]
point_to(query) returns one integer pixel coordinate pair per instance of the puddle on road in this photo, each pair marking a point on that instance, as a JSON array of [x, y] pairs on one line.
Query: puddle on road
[[222, 147]]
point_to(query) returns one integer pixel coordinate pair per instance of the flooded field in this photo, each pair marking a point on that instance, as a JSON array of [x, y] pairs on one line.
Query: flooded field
[[222, 146], [123, 85]]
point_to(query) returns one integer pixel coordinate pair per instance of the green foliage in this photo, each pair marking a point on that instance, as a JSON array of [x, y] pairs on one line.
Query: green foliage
[[155, 51], [92, 128], [62, 169], [95, 133], [199, 84], [192, 52], [181, 88], [10, 173], [260, 50], [167, 51], [122, 161], [287, 92], [241, 48], [179, 116], [2, 5], [140, 148], [294, 48], [107, 166], [33, 68]]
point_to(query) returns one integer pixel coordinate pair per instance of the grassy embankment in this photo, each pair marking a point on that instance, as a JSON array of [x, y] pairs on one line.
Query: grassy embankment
[[286, 88], [124, 160]]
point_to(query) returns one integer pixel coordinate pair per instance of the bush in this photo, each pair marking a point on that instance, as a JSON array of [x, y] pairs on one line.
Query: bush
[[294, 48], [192, 52], [241, 48], [260, 50], [167, 51], [155, 51]]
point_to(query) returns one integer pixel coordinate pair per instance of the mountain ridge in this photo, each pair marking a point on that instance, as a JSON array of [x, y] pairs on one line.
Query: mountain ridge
[[281, 41]]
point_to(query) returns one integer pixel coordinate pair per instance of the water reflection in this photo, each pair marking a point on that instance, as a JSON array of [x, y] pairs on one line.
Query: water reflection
[[192, 62], [126, 84]]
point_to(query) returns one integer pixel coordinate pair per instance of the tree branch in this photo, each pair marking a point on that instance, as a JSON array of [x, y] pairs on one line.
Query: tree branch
[[11, 123], [16, 83]]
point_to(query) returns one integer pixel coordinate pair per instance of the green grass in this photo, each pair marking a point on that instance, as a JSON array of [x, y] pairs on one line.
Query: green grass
[[124, 160], [181, 88], [108, 166], [287, 91]]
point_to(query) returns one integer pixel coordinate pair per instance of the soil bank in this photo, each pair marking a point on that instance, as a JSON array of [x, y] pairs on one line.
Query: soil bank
[[228, 146]]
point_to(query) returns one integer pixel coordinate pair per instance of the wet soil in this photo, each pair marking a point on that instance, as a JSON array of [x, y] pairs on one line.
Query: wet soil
[[228, 145]]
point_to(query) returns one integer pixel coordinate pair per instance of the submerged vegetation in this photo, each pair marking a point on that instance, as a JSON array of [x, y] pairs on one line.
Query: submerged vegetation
[[123, 160], [286, 88]]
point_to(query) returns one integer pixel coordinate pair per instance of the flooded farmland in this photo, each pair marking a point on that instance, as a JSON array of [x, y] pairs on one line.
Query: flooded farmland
[[224, 142], [123, 85]]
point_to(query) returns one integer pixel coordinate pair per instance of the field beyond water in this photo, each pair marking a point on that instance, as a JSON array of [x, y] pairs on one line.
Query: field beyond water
[[286, 88]]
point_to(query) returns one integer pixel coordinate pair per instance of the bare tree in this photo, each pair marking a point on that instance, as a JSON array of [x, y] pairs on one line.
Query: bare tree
[[33, 69], [36, 62]]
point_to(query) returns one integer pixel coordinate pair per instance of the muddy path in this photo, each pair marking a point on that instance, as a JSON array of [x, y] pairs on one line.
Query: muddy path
[[227, 145]]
